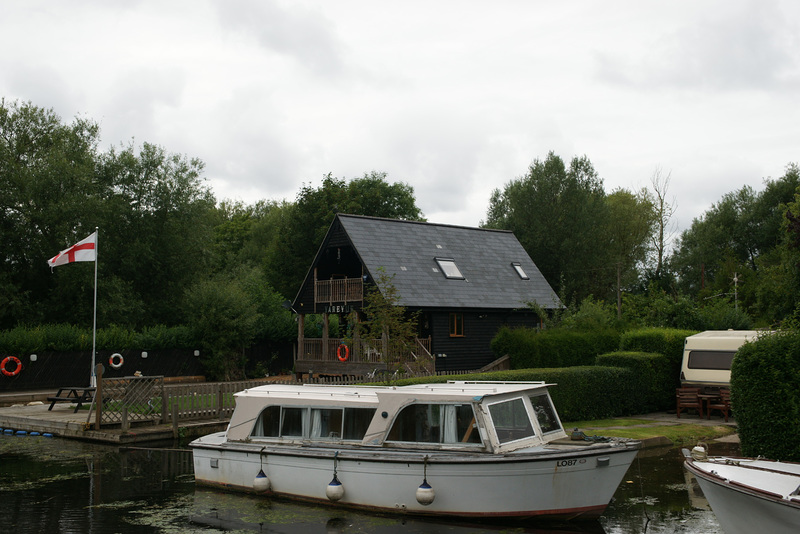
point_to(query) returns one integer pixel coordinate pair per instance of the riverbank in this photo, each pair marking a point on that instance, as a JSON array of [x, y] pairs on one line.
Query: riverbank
[[662, 428]]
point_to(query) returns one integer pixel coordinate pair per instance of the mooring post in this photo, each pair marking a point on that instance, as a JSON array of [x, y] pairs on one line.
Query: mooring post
[[98, 396], [125, 423], [175, 420]]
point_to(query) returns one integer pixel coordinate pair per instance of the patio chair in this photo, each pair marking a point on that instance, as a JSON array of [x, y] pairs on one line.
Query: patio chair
[[688, 398], [723, 404]]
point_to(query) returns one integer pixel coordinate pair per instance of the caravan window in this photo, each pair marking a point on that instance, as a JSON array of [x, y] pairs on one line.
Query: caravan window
[[719, 360]]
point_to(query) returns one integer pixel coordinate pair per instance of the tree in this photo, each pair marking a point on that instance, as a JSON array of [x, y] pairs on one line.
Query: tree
[[302, 226], [387, 320], [48, 201], [561, 217], [156, 230], [224, 319], [664, 226], [628, 230], [737, 236]]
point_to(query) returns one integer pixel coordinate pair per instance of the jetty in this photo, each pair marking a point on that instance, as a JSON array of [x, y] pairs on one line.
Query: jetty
[[132, 410]]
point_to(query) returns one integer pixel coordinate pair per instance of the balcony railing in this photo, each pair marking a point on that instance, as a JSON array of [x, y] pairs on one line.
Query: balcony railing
[[364, 351], [338, 291]]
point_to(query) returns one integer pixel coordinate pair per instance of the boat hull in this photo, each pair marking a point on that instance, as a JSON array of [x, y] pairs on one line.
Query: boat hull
[[754, 497], [564, 484]]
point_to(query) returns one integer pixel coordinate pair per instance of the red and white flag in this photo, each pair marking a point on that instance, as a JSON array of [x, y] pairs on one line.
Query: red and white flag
[[85, 250]]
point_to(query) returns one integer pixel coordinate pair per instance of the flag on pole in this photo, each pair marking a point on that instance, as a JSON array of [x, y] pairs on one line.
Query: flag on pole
[[85, 250]]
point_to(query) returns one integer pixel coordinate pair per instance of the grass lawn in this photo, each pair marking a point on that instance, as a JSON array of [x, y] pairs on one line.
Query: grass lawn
[[679, 434]]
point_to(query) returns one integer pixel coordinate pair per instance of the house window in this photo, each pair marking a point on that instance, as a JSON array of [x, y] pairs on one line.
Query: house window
[[520, 271], [456, 325], [449, 268]]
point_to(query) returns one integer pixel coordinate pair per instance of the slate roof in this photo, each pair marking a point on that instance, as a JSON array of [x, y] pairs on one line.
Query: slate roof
[[409, 250]]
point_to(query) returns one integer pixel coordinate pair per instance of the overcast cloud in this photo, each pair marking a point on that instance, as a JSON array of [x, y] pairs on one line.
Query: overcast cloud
[[455, 98]]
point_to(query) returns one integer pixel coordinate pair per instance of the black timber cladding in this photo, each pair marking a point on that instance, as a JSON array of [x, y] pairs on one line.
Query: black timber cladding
[[409, 250]]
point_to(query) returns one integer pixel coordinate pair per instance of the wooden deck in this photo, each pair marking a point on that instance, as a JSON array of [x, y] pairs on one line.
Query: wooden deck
[[62, 421]]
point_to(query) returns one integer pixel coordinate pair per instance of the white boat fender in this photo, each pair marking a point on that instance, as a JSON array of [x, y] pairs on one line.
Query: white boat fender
[[700, 452], [335, 490], [261, 483], [425, 494]]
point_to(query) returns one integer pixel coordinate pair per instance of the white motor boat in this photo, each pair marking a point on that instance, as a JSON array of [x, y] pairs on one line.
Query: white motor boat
[[748, 495], [462, 449]]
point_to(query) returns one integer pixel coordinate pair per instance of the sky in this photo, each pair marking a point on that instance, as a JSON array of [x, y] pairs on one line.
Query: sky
[[455, 98]]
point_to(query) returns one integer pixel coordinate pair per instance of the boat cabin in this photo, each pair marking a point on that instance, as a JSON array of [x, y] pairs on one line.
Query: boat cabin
[[464, 416]]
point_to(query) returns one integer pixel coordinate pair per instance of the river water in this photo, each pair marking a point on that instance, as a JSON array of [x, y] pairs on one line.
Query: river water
[[51, 485]]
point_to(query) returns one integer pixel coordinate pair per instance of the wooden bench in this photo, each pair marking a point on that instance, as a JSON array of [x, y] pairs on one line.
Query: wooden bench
[[688, 398], [77, 394]]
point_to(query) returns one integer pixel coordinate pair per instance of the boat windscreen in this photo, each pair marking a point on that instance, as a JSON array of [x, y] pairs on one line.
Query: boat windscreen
[[511, 421]]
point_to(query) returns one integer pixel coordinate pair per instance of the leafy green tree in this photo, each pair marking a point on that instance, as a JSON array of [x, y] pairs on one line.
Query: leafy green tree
[[630, 223], [741, 237], [48, 201], [573, 231], [156, 235], [224, 319], [385, 319], [302, 226]]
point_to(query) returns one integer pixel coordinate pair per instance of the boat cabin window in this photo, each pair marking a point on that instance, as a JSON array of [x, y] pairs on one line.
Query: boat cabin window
[[511, 421], [545, 414], [313, 423], [435, 423]]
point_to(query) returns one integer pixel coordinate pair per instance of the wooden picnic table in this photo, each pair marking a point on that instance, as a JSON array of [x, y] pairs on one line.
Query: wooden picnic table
[[77, 394]]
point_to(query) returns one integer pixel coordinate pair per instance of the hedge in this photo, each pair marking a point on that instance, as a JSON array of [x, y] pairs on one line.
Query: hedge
[[666, 341], [66, 338], [652, 378], [535, 349], [581, 393], [765, 396]]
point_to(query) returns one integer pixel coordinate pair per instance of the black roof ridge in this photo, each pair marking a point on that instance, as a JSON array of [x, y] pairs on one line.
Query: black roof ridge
[[426, 223]]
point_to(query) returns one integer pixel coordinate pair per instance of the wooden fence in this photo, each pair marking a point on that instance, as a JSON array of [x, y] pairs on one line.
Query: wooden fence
[[123, 401]]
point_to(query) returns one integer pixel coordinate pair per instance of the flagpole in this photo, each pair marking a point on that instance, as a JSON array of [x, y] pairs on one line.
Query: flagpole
[[92, 376]]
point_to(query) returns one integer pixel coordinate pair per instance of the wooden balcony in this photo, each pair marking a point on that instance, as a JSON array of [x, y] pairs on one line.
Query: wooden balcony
[[362, 357], [344, 291]]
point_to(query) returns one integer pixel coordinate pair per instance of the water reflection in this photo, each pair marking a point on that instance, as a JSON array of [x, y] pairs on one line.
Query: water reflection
[[52, 485], [257, 514]]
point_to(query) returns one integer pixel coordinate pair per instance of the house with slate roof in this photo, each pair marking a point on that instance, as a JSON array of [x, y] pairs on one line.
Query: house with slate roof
[[464, 283]]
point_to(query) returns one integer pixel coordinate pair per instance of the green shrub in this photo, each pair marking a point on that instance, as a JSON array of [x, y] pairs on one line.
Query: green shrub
[[652, 375], [666, 341], [580, 393], [115, 338], [66, 338], [765, 395], [49, 337], [534, 349]]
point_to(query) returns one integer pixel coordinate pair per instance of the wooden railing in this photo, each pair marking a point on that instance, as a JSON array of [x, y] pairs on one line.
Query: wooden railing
[[344, 291], [365, 351], [129, 400]]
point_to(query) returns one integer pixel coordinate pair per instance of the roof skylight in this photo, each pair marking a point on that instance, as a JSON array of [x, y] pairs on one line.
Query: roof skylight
[[449, 268], [520, 271]]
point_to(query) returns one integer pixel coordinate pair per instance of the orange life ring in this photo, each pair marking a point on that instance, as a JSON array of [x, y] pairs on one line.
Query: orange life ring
[[343, 352], [4, 365], [116, 360]]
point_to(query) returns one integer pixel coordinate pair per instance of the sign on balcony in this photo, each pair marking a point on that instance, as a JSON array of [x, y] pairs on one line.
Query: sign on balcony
[[339, 308]]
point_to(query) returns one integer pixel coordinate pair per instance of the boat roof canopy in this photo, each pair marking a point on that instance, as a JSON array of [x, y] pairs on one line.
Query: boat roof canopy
[[455, 390]]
